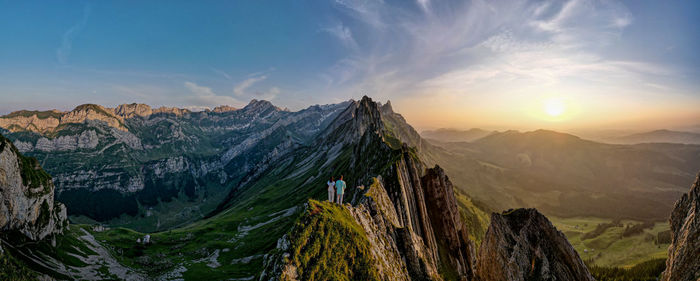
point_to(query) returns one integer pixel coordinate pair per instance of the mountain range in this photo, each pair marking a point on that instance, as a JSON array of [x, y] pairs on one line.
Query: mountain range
[[658, 136], [238, 194], [564, 175]]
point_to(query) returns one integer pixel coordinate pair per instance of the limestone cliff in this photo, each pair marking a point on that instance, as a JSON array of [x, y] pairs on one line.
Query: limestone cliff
[[27, 196], [684, 253], [523, 245]]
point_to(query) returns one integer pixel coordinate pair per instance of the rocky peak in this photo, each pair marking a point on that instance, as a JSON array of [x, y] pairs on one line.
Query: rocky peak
[[27, 196], [132, 110], [86, 112], [684, 253], [172, 110], [523, 245], [259, 106], [386, 108], [224, 108]]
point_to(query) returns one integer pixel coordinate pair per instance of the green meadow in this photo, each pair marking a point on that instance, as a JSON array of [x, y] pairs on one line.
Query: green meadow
[[610, 247]]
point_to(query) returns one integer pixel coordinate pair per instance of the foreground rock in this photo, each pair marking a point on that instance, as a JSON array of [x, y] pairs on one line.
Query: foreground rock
[[27, 196], [524, 245], [684, 253]]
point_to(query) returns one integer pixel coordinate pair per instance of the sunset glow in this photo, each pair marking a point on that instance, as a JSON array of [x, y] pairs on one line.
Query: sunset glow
[[554, 107]]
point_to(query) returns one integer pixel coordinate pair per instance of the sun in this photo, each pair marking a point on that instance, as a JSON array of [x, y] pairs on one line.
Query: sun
[[554, 107]]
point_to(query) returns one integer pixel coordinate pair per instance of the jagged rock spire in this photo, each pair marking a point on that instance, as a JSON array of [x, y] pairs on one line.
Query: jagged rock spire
[[683, 262]]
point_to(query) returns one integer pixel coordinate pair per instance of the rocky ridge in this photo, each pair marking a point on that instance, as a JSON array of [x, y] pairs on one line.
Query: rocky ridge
[[683, 263], [410, 237], [27, 196]]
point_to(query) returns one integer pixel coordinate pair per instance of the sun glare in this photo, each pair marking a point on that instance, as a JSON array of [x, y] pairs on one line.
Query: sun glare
[[554, 107]]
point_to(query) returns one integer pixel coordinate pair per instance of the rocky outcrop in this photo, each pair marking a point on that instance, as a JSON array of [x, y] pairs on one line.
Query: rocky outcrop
[[27, 196], [85, 112], [683, 263], [451, 233], [224, 108], [132, 110], [523, 245]]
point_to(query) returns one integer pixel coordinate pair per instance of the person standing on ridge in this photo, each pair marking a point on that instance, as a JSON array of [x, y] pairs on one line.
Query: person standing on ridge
[[331, 190], [340, 187]]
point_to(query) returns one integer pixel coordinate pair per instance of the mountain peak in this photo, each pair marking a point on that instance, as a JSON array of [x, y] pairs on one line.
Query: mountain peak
[[133, 109], [224, 108], [260, 106]]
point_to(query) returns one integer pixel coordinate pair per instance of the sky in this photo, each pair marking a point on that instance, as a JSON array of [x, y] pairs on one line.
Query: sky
[[457, 64]]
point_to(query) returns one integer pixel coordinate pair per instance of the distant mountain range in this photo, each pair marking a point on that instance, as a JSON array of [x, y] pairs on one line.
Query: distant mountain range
[[564, 175], [658, 136], [455, 135]]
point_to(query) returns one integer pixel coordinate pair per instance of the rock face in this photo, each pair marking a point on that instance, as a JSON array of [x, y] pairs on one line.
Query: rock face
[[523, 245], [684, 253], [451, 233], [27, 196]]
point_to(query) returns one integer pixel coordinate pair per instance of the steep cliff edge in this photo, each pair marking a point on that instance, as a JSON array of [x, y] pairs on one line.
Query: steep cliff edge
[[408, 214], [523, 245], [684, 253], [27, 196]]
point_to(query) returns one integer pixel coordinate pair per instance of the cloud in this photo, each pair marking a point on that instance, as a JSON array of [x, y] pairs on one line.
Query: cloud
[[222, 73], [63, 51], [459, 46], [343, 34], [205, 97], [243, 89], [424, 4], [240, 89]]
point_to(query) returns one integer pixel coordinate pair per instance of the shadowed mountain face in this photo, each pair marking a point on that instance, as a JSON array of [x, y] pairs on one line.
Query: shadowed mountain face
[[564, 175]]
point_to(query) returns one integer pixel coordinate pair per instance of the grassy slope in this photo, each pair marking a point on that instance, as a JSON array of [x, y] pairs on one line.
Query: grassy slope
[[327, 244], [258, 216], [610, 248]]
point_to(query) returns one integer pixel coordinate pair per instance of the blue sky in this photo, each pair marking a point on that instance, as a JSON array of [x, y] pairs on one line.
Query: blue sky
[[441, 63]]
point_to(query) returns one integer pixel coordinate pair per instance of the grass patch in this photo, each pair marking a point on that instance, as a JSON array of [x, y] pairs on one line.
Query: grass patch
[[327, 244]]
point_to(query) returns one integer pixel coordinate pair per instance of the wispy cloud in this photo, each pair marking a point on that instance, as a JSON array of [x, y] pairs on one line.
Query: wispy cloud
[[343, 34], [205, 97], [222, 73], [481, 42], [243, 89], [63, 51]]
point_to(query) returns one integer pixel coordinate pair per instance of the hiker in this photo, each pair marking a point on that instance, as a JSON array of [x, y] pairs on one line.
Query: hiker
[[340, 188], [331, 190]]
